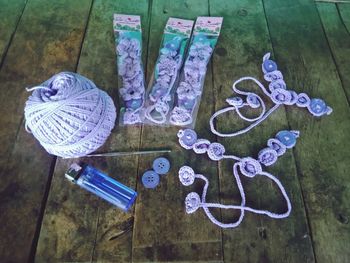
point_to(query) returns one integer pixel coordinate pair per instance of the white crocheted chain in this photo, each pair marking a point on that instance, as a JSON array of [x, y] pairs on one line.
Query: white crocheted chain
[[247, 166]]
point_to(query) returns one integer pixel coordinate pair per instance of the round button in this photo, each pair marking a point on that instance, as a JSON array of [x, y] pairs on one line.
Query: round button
[[134, 104], [150, 179], [287, 138], [269, 65], [189, 137], [161, 165], [188, 104], [317, 107]]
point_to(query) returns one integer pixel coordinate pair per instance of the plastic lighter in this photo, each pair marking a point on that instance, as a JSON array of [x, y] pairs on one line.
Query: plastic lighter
[[101, 185]]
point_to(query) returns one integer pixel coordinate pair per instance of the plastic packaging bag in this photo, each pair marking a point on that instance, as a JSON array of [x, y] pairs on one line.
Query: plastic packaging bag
[[188, 93], [128, 40], [160, 92]]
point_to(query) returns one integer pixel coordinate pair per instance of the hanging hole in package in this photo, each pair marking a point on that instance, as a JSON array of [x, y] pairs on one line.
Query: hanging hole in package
[[188, 93], [131, 83], [160, 92]]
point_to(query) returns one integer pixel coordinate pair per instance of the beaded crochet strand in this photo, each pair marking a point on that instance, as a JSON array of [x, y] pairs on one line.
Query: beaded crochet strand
[[247, 166], [277, 92]]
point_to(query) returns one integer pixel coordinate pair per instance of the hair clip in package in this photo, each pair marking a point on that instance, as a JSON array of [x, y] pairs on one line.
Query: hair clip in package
[[189, 90], [246, 166], [129, 49], [159, 97], [277, 91]]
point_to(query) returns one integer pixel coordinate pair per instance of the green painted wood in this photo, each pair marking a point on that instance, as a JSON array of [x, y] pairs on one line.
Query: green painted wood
[[10, 13], [339, 41], [77, 225], [243, 42], [42, 46], [304, 56], [163, 232], [344, 12]]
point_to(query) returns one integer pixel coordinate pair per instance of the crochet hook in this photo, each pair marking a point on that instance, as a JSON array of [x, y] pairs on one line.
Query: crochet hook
[[127, 153]]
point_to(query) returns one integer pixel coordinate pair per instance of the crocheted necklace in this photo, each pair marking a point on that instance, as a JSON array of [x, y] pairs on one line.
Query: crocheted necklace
[[277, 92], [247, 166]]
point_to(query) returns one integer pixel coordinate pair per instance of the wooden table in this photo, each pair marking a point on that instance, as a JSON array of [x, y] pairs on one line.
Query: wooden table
[[43, 218]]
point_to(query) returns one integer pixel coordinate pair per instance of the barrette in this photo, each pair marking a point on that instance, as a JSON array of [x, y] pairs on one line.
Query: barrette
[[130, 70], [167, 68], [190, 87], [277, 92], [246, 166]]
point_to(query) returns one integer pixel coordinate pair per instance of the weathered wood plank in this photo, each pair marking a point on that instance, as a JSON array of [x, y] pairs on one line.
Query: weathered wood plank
[[304, 56], [344, 12], [43, 44], [10, 13], [95, 231], [243, 42], [339, 42], [162, 230]]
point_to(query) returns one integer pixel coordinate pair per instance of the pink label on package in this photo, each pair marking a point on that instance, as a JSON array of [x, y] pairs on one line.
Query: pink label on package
[[208, 25], [126, 22], [176, 26]]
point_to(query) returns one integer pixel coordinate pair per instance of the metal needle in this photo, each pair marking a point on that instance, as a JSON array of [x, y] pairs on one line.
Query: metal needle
[[127, 153]]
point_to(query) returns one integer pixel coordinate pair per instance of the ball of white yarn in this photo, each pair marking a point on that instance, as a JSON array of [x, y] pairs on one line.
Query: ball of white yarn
[[69, 115]]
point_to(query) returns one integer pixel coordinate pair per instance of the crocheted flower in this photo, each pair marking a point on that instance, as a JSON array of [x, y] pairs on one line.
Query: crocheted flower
[[201, 146], [281, 96], [277, 146], [192, 202], [186, 175], [162, 105], [201, 50], [253, 100], [185, 90], [132, 92], [196, 64], [294, 97], [192, 76], [130, 117], [278, 84], [129, 68], [267, 156], [303, 100], [216, 151], [180, 115], [123, 46], [273, 76], [250, 167], [167, 65], [163, 80]]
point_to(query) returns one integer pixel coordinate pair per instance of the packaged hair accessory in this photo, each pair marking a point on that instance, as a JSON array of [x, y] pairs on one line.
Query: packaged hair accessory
[[205, 35], [128, 39], [160, 93]]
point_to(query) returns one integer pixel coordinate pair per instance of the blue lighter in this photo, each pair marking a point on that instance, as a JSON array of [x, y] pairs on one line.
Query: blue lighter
[[101, 185]]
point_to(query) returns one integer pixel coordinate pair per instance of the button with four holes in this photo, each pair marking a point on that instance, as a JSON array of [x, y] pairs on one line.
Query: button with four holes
[[161, 165], [150, 179]]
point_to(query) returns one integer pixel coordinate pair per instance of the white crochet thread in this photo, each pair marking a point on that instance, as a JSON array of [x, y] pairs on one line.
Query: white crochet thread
[[246, 166], [69, 115], [278, 94]]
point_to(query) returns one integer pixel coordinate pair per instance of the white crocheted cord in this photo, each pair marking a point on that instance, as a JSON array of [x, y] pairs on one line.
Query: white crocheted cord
[[247, 166], [278, 94], [69, 115]]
